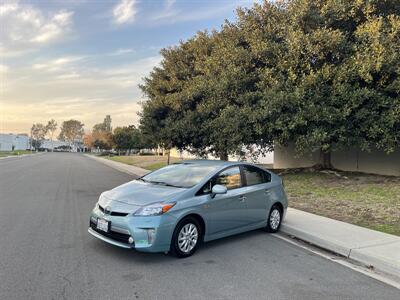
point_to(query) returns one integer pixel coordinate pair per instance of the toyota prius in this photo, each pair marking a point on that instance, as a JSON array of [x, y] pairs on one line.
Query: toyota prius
[[175, 208]]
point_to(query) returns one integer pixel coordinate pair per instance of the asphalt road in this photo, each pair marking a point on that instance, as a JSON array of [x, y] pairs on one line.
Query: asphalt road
[[46, 252]]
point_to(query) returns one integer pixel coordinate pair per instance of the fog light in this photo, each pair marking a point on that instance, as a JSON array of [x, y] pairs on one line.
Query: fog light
[[130, 240], [150, 235], [93, 219]]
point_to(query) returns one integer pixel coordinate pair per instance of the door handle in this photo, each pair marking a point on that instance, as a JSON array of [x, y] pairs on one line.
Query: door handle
[[242, 198], [267, 192]]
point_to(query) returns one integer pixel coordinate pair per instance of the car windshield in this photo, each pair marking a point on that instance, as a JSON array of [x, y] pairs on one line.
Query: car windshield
[[183, 175]]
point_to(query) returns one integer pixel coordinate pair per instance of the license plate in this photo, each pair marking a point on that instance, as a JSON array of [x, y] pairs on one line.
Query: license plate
[[103, 225]]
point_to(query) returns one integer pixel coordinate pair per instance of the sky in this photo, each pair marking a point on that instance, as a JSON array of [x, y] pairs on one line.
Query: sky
[[84, 59]]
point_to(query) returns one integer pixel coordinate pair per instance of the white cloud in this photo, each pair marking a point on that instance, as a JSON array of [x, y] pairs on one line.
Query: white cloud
[[169, 3], [57, 64], [124, 12], [72, 75], [26, 27], [7, 8], [122, 51], [3, 69], [172, 14], [55, 28]]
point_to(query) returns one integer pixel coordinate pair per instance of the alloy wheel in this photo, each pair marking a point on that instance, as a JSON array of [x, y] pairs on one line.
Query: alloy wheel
[[275, 219], [187, 238]]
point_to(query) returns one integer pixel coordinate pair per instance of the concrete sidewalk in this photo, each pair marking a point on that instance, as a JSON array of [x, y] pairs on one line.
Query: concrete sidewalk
[[132, 170], [370, 247]]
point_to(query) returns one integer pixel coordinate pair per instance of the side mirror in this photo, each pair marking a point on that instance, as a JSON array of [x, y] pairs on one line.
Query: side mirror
[[218, 189]]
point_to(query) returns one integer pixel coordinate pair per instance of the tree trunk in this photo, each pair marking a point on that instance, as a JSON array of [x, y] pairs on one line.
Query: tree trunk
[[223, 156], [168, 157], [326, 160]]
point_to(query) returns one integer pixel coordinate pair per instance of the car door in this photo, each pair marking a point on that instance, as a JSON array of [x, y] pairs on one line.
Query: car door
[[227, 211], [258, 192]]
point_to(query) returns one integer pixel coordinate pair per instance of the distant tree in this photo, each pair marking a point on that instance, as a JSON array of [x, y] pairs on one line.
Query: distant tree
[[88, 140], [38, 133], [102, 134], [51, 128], [71, 131], [105, 126], [107, 123], [102, 139], [127, 138]]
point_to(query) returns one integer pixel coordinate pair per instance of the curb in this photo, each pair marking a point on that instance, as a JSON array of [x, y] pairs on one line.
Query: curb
[[376, 250], [21, 156]]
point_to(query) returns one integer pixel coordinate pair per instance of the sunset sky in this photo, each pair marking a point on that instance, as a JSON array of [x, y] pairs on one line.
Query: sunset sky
[[84, 59]]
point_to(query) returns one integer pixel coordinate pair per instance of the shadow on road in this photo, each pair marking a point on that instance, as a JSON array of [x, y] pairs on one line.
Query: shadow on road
[[134, 257]]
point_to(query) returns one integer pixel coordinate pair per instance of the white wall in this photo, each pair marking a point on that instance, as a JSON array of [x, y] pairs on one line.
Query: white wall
[[268, 158], [375, 162], [7, 141]]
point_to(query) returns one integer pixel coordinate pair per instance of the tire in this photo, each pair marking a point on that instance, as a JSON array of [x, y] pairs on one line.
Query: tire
[[186, 231], [274, 219]]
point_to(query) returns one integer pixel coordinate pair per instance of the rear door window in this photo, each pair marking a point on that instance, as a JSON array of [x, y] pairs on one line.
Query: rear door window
[[255, 175]]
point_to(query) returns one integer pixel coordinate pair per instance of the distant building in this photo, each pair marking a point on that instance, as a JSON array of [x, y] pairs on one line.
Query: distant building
[[49, 145], [10, 142], [76, 146]]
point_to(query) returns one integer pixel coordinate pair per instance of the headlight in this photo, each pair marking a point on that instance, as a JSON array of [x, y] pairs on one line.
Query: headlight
[[154, 209]]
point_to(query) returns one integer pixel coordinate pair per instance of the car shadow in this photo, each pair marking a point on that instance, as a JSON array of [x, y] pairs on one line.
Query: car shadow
[[133, 256]]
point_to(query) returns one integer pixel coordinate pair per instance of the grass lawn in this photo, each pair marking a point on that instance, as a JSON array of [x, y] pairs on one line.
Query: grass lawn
[[372, 201], [12, 153], [149, 162]]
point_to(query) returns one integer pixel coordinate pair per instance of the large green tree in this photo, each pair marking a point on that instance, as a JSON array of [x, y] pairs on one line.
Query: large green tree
[[322, 74], [202, 96], [330, 73]]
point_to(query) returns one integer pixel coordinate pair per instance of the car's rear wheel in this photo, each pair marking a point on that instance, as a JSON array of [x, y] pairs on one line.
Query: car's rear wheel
[[274, 219], [186, 238]]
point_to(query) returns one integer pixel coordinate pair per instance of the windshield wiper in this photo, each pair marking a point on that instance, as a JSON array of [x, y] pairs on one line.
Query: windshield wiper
[[165, 184], [142, 179]]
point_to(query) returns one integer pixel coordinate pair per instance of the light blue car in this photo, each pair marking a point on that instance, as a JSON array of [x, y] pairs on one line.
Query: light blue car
[[177, 207]]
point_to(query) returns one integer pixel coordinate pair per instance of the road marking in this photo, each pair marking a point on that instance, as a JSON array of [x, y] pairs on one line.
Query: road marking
[[385, 278]]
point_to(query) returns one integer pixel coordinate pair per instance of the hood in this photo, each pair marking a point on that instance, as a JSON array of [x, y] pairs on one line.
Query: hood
[[139, 193]]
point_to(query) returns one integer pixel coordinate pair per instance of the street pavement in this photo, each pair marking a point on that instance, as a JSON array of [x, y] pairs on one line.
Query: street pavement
[[46, 252]]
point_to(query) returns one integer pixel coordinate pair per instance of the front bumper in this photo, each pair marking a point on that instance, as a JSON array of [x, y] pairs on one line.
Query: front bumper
[[109, 240], [149, 234]]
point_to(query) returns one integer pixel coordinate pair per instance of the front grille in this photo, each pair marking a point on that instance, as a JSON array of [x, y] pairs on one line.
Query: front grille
[[113, 213], [120, 237]]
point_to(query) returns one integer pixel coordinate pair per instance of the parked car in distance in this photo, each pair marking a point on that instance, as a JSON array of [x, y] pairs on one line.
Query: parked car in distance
[[175, 208]]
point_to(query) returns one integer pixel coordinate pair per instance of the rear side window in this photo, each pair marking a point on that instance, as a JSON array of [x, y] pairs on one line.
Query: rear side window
[[255, 175]]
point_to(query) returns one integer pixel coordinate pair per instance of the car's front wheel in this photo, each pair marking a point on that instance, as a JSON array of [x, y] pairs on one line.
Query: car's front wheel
[[186, 238], [274, 219]]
